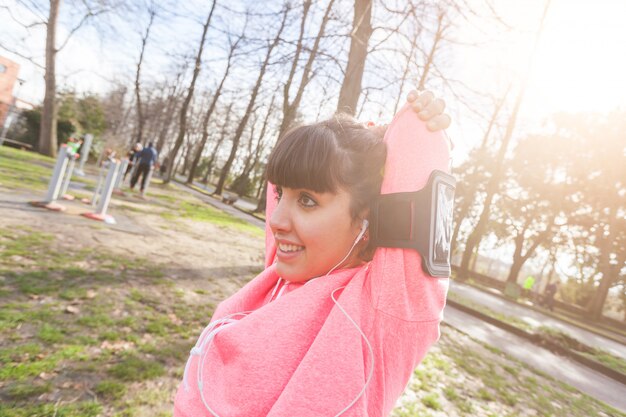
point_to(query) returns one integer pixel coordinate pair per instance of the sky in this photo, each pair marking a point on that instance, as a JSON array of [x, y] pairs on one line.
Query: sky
[[579, 67]]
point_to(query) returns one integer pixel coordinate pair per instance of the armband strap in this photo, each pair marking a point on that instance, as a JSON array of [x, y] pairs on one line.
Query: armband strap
[[420, 220]]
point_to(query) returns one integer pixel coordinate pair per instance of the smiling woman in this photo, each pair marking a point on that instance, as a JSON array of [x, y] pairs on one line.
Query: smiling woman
[[329, 328], [316, 213]]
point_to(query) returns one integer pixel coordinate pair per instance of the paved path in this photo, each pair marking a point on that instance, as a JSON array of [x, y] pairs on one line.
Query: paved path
[[224, 207], [563, 369], [241, 203], [536, 319]]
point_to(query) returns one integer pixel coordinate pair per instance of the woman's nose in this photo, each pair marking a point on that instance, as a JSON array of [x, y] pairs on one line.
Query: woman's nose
[[280, 219]]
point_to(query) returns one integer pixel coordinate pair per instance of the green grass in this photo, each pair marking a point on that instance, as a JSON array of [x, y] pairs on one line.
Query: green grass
[[206, 213], [26, 390], [463, 377], [432, 401], [27, 170], [23, 169], [50, 334], [110, 389], [133, 368], [547, 333], [20, 362], [79, 409], [568, 342]]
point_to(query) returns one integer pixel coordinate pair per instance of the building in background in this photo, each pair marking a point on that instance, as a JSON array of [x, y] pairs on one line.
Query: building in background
[[8, 79]]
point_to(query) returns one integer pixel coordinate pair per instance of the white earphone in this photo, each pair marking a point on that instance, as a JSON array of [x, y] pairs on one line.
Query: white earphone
[[363, 230]]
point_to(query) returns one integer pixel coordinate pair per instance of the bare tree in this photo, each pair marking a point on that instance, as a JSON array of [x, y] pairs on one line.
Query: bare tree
[[49, 112], [209, 112], [183, 112], [290, 108], [144, 41], [48, 128], [493, 185], [353, 75], [218, 143], [255, 91], [474, 173], [240, 184], [166, 117]]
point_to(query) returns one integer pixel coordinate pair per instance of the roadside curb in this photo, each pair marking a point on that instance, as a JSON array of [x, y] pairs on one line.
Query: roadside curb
[[616, 337], [537, 340]]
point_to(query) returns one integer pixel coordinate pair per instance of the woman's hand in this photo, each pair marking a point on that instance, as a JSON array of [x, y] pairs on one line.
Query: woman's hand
[[429, 109]]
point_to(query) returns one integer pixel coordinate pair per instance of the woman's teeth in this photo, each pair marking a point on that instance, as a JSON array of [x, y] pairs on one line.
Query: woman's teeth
[[289, 248]]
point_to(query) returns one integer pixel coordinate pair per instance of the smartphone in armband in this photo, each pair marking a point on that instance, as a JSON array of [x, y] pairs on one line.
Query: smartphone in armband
[[420, 220]]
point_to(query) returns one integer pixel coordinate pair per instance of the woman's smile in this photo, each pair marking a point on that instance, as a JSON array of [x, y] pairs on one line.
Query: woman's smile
[[313, 232]]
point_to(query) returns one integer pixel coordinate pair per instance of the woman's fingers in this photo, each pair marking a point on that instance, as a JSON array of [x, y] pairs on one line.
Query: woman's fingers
[[434, 108], [439, 122], [429, 109], [422, 100], [413, 94]]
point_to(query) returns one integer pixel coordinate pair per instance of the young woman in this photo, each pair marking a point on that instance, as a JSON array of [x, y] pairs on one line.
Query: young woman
[[332, 326]]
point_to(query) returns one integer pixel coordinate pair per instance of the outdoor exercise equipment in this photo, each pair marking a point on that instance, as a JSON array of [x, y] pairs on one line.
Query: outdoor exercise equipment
[[54, 186], [98, 190], [84, 154], [119, 181], [105, 197], [68, 177]]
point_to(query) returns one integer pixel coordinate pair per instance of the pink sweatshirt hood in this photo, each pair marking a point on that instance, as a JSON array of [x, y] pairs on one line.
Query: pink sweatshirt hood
[[303, 354]]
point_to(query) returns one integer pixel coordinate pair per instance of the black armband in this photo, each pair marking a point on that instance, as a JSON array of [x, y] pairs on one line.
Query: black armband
[[420, 220]]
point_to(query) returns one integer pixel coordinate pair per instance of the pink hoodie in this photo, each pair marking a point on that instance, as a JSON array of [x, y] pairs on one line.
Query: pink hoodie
[[295, 353]]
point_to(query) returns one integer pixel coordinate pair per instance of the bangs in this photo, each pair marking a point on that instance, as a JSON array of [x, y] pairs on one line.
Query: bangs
[[307, 157]]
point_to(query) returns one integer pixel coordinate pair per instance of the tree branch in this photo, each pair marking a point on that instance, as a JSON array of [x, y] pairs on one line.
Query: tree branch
[[78, 26]]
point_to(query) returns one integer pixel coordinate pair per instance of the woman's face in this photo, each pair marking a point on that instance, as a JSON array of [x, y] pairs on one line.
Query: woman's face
[[313, 232]]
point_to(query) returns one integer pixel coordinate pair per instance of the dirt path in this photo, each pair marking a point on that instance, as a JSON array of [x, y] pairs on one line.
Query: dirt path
[[187, 250]]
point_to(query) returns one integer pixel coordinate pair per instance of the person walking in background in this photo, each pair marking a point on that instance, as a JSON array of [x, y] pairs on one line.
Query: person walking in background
[[549, 294], [146, 160], [132, 155], [528, 286]]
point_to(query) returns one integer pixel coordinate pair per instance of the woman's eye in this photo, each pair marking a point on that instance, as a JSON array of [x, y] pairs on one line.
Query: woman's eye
[[306, 201]]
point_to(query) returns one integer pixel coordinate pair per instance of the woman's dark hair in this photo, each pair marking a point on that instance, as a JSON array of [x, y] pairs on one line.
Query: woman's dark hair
[[338, 153]]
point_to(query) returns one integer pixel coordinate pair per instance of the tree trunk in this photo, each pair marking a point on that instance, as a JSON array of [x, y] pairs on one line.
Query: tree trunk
[[253, 157], [207, 116], [188, 152], [473, 185], [140, 118], [361, 32], [183, 112], [168, 114], [48, 129], [244, 120], [219, 142], [609, 271]]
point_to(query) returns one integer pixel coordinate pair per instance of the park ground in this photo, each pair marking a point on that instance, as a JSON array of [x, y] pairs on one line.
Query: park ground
[[98, 319]]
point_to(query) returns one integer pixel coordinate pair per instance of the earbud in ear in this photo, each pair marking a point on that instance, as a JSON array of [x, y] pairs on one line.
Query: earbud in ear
[[363, 230]]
